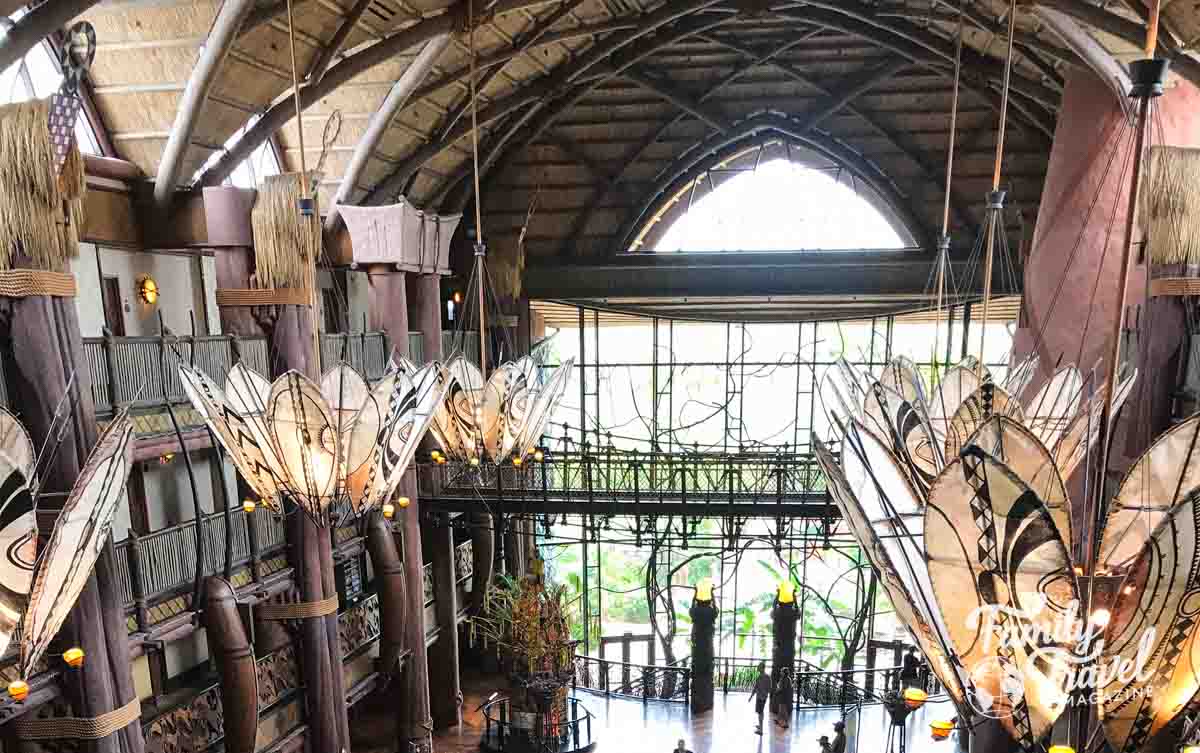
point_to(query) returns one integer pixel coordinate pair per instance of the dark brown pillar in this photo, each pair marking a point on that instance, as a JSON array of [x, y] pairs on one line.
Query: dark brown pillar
[[388, 307], [290, 346], [46, 350], [444, 686]]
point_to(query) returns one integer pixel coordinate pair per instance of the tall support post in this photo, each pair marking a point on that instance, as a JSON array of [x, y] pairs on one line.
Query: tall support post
[[444, 688], [44, 353], [783, 649], [290, 336], [388, 306], [704, 619]]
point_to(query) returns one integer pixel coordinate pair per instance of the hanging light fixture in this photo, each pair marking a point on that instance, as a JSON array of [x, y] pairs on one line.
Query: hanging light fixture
[[490, 414], [941, 729], [341, 445]]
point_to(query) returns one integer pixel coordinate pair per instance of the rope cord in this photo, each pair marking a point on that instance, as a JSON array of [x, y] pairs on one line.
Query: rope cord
[[300, 610], [994, 213], [84, 728]]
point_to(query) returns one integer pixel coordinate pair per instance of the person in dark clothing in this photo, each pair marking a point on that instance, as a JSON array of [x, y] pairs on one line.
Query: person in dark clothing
[[909, 669], [760, 694], [783, 698], [839, 739]]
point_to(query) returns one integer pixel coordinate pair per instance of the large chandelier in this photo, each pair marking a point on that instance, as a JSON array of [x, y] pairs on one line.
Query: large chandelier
[[39, 588], [956, 494], [337, 448]]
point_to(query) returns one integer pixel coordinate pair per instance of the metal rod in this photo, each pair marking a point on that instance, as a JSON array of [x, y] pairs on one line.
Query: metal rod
[[991, 231]]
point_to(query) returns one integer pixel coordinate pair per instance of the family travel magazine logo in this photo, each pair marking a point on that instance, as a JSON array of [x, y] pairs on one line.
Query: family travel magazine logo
[[1053, 653]]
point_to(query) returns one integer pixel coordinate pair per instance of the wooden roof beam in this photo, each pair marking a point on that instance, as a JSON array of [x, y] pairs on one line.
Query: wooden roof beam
[[344, 70], [608, 55], [756, 59], [673, 94], [381, 121], [900, 142], [1100, 60], [755, 130], [1131, 32], [521, 44], [220, 41], [36, 25], [850, 89], [338, 41]]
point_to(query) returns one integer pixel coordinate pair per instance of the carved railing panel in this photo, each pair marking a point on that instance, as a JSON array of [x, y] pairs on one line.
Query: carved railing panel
[[359, 625]]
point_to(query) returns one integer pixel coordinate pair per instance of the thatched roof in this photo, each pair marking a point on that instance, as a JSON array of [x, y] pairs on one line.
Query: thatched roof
[[597, 104]]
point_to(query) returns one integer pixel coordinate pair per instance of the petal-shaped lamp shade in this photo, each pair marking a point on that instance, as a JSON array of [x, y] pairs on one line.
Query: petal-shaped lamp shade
[[1049, 412], [1012, 444], [1161, 479], [995, 556], [1154, 630], [915, 611], [18, 525], [500, 418], [953, 389], [985, 402], [320, 445], [79, 536]]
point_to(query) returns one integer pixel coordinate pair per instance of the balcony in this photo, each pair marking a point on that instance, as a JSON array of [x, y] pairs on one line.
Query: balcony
[[140, 375]]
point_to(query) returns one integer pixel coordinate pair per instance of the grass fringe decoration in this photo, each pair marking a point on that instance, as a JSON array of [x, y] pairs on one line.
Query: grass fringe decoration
[[1170, 205], [41, 210], [286, 244]]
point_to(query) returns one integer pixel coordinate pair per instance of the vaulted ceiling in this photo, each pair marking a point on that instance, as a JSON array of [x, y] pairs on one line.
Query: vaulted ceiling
[[591, 112]]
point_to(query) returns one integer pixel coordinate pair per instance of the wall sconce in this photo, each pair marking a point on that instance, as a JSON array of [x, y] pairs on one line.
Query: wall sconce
[[147, 289]]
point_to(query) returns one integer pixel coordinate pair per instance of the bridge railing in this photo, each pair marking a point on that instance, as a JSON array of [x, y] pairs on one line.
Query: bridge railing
[[664, 682], [610, 475]]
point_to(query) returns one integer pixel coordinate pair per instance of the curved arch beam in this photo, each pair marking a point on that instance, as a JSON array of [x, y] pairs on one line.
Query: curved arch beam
[[561, 81], [381, 120], [757, 129], [216, 47], [36, 25]]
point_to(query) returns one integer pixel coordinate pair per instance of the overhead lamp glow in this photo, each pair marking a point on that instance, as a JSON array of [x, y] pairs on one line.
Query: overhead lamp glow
[[18, 689], [147, 289], [248, 505], [1190, 749], [389, 510], [1101, 617], [403, 502], [704, 590], [538, 455], [1061, 749], [74, 657], [941, 729], [915, 698]]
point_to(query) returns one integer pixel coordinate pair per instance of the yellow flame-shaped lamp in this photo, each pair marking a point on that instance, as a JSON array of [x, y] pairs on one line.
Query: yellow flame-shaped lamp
[[517, 460], [147, 289], [248, 505], [403, 502], [389, 510], [915, 698], [74, 657], [435, 455], [704, 590], [18, 689], [1061, 749], [940, 730], [787, 592]]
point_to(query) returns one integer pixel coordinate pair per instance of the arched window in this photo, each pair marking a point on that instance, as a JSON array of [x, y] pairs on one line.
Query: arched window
[[261, 163], [771, 197], [36, 76]]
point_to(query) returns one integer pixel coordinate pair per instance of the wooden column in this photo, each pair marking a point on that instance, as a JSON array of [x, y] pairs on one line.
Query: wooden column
[[289, 333], [444, 685], [44, 350], [388, 305]]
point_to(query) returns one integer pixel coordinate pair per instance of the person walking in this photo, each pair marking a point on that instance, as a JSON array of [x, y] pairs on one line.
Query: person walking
[[839, 739], [783, 698], [760, 694]]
